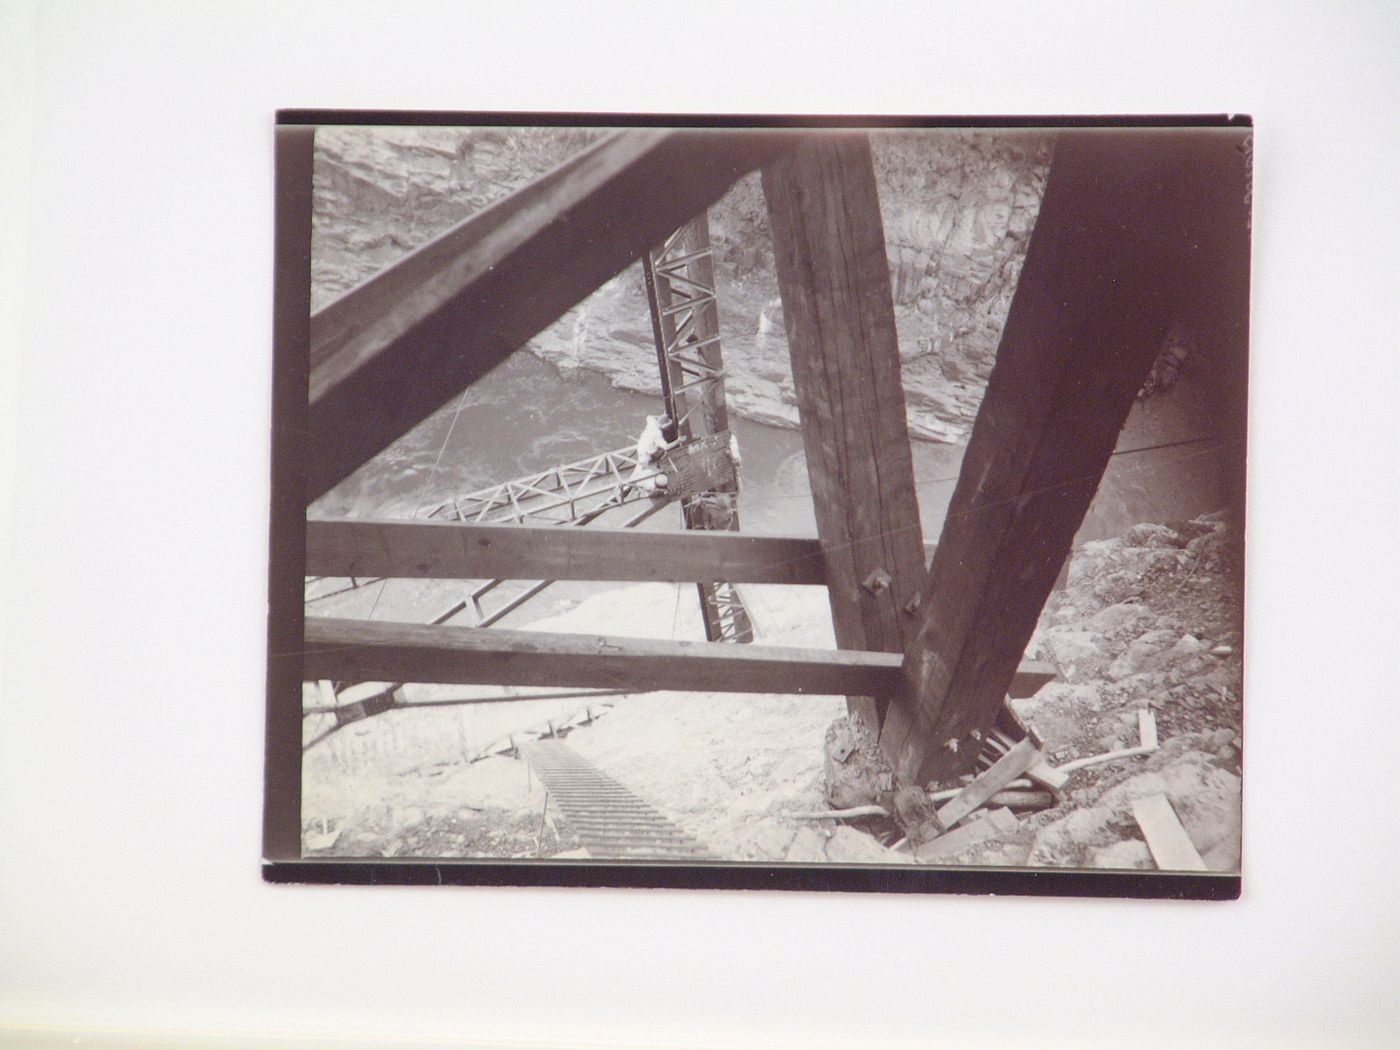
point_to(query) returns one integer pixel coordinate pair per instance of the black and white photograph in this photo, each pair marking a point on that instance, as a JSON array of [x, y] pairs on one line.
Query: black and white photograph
[[828, 496], [662, 527]]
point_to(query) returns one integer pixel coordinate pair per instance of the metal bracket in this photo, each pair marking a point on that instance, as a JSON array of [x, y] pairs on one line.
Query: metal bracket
[[877, 581]]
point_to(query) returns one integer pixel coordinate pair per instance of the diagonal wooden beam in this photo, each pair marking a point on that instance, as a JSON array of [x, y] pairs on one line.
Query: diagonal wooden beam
[[389, 352], [1136, 230], [361, 650], [452, 550], [829, 244]]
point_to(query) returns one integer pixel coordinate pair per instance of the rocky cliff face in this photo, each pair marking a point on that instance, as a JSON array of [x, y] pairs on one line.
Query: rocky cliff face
[[958, 208]]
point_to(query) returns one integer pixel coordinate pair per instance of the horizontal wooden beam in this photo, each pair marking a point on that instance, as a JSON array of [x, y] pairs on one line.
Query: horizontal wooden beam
[[453, 550], [363, 650], [389, 352]]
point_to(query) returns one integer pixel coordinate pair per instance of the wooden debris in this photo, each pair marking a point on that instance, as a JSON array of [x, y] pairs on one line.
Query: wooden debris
[[1171, 847], [841, 814], [997, 822], [1147, 728], [1052, 778], [1007, 768], [945, 794], [1023, 799]]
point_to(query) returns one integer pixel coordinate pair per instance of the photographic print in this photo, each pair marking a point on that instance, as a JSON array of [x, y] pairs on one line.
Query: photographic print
[[830, 504]]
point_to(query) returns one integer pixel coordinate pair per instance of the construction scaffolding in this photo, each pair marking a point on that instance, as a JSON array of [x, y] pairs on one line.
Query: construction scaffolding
[[1131, 230]]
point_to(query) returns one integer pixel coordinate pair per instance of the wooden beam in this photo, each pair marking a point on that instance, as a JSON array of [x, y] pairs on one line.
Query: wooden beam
[[359, 650], [829, 244], [1170, 845], [997, 822], [388, 353], [452, 550], [371, 650], [1006, 769], [1133, 228]]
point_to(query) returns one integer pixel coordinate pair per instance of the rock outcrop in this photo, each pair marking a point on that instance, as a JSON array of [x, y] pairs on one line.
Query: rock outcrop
[[958, 208]]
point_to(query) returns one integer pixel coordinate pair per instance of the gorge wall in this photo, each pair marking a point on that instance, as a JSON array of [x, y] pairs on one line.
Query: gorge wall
[[958, 208]]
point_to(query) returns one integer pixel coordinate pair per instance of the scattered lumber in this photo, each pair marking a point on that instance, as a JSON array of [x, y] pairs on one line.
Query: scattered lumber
[[997, 822], [1006, 769], [1042, 773], [841, 814], [1147, 728], [1171, 847], [1052, 778], [1022, 799]]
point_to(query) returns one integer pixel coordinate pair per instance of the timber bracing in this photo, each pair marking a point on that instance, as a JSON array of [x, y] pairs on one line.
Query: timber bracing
[[942, 645]]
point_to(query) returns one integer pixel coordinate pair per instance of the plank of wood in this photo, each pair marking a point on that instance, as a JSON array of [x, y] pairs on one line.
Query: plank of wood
[[369, 651], [1171, 847], [399, 652], [997, 822], [454, 550], [1134, 231], [388, 353], [833, 273], [1006, 769], [1023, 799], [1048, 776], [1147, 729]]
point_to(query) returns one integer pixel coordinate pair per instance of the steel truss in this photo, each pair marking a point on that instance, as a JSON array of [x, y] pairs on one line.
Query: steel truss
[[680, 281], [562, 494]]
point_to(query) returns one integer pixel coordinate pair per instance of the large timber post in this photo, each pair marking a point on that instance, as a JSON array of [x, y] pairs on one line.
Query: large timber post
[[833, 274], [1136, 229]]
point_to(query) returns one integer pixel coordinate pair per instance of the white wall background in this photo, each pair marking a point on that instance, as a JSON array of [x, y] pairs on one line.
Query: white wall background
[[137, 310]]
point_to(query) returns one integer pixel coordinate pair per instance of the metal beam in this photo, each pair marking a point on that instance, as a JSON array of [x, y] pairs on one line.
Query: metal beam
[[681, 290], [386, 354]]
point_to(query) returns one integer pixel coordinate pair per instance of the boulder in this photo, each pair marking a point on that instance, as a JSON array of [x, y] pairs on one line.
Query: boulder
[[1122, 620], [1127, 854], [849, 846], [808, 847], [857, 773], [1138, 655], [1155, 536]]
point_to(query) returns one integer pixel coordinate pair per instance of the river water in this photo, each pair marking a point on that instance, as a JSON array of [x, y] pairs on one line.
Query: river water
[[527, 416]]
